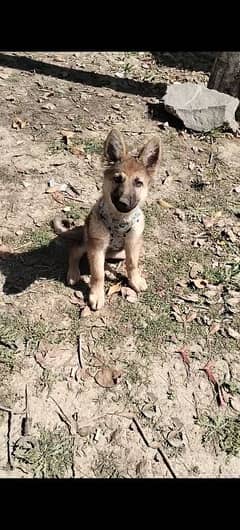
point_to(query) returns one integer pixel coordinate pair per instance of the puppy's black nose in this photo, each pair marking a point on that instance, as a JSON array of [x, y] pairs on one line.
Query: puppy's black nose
[[124, 202]]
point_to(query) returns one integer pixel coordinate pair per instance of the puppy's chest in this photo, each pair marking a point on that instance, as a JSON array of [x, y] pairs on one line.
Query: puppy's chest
[[118, 228]]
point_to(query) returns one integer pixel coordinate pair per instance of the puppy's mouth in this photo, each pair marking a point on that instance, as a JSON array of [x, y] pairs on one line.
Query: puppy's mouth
[[123, 206]]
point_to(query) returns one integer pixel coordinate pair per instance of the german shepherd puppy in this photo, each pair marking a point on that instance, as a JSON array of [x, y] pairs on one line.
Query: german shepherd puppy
[[114, 227]]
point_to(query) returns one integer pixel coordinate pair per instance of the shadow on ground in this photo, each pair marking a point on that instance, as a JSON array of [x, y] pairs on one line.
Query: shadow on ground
[[195, 61], [48, 262], [130, 86]]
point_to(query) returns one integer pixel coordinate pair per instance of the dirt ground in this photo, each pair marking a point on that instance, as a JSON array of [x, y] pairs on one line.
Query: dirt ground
[[172, 408]]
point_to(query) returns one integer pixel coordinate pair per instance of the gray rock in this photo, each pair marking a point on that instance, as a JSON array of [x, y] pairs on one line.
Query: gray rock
[[199, 108]]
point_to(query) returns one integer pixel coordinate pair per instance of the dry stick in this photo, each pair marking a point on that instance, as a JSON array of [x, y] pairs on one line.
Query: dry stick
[[196, 405], [70, 198], [9, 456], [26, 423], [63, 416], [155, 446], [79, 352], [139, 428], [5, 409]]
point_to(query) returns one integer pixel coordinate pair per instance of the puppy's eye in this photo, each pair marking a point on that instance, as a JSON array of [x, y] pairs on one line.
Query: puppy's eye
[[138, 183], [118, 179]]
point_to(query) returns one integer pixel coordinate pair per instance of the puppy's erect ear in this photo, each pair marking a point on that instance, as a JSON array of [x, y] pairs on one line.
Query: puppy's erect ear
[[150, 155], [114, 147]]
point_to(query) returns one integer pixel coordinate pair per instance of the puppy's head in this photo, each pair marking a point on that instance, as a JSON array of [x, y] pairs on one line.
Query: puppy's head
[[126, 178]]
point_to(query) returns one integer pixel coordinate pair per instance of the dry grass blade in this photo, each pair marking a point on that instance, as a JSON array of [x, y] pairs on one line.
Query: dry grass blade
[[165, 204]]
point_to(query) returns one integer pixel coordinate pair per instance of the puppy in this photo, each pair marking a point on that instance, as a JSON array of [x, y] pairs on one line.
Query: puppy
[[114, 227]]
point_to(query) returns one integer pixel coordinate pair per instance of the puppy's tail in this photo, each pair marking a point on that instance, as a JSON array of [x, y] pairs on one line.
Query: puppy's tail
[[60, 225], [67, 229]]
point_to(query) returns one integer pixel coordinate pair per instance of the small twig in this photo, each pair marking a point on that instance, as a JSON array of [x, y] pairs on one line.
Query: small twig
[[196, 405], [71, 198], [72, 188], [22, 246], [5, 409], [155, 446], [8, 345], [9, 412], [26, 422], [79, 352], [9, 440], [210, 157], [64, 417]]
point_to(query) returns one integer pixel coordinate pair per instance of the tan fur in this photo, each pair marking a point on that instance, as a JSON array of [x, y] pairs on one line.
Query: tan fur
[[125, 186]]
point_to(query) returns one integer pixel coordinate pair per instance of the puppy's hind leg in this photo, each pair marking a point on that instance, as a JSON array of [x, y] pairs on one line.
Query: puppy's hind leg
[[75, 254]]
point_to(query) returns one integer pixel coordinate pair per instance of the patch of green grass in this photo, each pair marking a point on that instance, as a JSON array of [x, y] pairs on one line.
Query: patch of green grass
[[76, 213], [223, 432], [106, 465], [13, 328], [127, 68], [152, 214], [38, 238], [92, 146], [57, 145], [51, 457]]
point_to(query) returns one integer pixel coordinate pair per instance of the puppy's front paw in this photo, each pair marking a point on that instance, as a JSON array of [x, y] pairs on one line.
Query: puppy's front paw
[[137, 283], [96, 299], [73, 276]]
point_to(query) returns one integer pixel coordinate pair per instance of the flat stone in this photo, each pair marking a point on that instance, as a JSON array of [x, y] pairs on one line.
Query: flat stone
[[199, 108]]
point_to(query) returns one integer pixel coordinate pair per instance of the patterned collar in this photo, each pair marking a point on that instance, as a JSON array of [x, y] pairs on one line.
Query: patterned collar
[[114, 224]]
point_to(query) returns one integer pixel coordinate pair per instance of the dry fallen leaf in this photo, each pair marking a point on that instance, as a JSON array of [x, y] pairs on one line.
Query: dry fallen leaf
[[149, 410], [67, 135], [191, 316], [191, 165], [230, 235], [218, 389], [78, 301], [233, 333], [199, 242], [129, 294], [193, 297], [165, 204], [235, 403], [81, 374], [195, 270], [108, 377], [214, 328], [86, 312], [234, 300], [185, 357], [200, 283], [19, 124], [177, 317], [208, 222], [175, 439], [77, 151], [48, 106], [58, 197], [181, 215], [116, 288]]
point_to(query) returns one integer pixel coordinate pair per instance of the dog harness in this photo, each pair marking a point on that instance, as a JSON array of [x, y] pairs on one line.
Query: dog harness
[[118, 228]]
